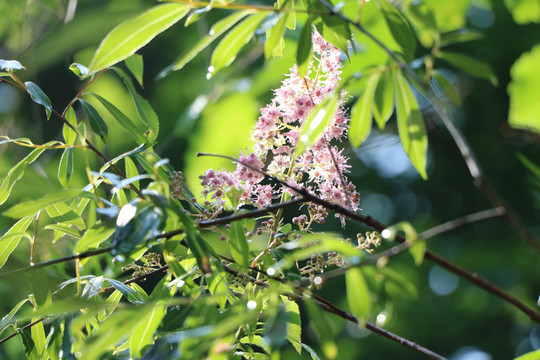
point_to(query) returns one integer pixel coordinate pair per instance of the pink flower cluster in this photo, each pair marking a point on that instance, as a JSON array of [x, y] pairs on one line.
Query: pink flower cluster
[[319, 169]]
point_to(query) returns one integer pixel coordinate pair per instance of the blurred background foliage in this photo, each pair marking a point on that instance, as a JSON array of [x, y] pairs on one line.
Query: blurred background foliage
[[425, 304]]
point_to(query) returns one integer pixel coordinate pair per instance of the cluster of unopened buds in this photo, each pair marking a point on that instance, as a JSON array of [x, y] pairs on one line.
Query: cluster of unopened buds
[[369, 242], [152, 262]]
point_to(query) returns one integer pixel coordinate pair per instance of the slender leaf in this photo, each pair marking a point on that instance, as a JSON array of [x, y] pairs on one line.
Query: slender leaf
[[135, 65], [469, 65], [337, 32], [303, 51], [16, 172], [29, 346], [130, 294], [32, 207], [64, 230], [239, 244], [383, 102], [358, 295], [316, 123], [423, 20], [7, 319], [39, 97], [143, 332], [459, 36], [79, 70], [274, 36], [216, 31], [412, 132], [65, 168], [533, 355], [97, 123], [10, 65], [131, 35], [399, 27], [443, 88], [234, 41], [69, 134], [322, 326], [294, 323], [362, 114], [134, 128], [10, 240]]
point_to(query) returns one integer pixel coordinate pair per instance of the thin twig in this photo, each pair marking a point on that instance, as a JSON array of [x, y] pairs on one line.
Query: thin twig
[[26, 327], [79, 94]]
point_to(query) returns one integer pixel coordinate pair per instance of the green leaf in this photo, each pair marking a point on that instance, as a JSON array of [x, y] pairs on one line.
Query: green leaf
[[135, 65], [142, 334], [38, 336], [131, 35], [322, 326], [459, 36], [469, 65], [134, 128], [217, 285], [29, 346], [30, 208], [524, 11], [131, 170], [65, 214], [39, 97], [10, 65], [303, 51], [337, 32], [7, 319], [361, 113], [239, 244], [400, 28], [97, 123], [443, 88], [216, 31], [358, 295], [130, 294], [533, 355], [412, 132], [233, 42], [94, 237], [10, 240], [65, 169], [524, 90], [16, 172], [69, 134], [423, 20], [294, 323], [383, 102], [79, 70], [274, 36], [417, 247], [315, 125], [62, 230]]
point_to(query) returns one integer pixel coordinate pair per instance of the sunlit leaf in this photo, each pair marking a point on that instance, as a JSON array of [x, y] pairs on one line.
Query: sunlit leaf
[[274, 36], [399, 27], [303, 51], [362, 114], [39, 97], [469, 65], [131, 35], [65, 168], [358, 295], [10, 240], [94, 237], [524, 90], [10, 65], [31, 207], [322, 326], [316, 123], [383, 101], [336, 32], [135, 65], [97, 123], [16, 173], [29, 346], [524, 11], [533, 355], [234, 41], [7, 319], [130, 294], [79, 70], [216, 31], [142, 334], [69, 134], [294, 323], [412, 132], [423, 20], [443, 88], [239, 244]]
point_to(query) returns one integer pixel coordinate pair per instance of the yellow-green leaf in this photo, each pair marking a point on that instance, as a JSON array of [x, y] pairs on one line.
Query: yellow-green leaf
[[358, 295], [10, 240], [143, 332], [383, 105], [362, 114]]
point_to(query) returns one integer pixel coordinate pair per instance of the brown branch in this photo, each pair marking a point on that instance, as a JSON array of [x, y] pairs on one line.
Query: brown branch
[[375, 224], [79, 94], [138, 278], [23, 328]]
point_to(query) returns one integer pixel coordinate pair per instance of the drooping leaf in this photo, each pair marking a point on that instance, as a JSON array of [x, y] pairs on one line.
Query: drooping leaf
[[130, 294], [134, 128], [423, 20], [383, 101], [143, 332], [336, 32], [443, 88], [62, 213], [417, 247], [316, 122], [135, 65], [469, 65], [94, 237], [234, 41], [79, 70], [131, 170], [216, 31], [274, 36], [32, 207], [303, 51], [358, 295], [399, 27], [294, 323], [61, 230], [524, 90], [459, 36], [97, 123], [131, 35], [65, 169], [30, 348], [10, 65], [362, 114], [412, 132], [10, 240], [7, 319], [217, 285], [69, 134], [93, 287], [39, 97], [322, 326], [239, 244], [16, 172]]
